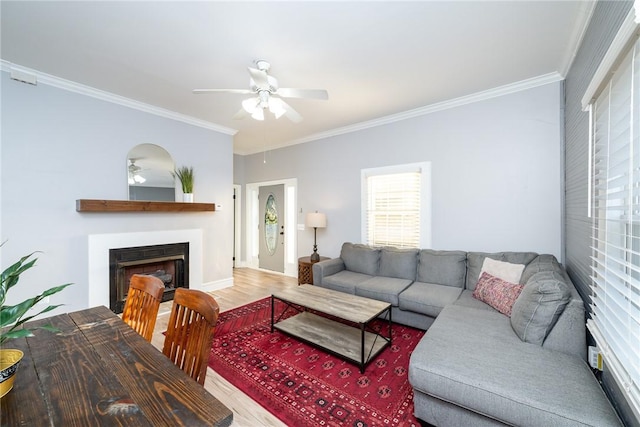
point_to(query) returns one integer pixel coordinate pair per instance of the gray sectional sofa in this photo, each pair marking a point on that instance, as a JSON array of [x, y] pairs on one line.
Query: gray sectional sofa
[[476, 366]]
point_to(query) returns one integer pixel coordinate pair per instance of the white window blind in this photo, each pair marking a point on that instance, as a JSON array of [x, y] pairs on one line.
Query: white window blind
[[393, 209], [615, 322]]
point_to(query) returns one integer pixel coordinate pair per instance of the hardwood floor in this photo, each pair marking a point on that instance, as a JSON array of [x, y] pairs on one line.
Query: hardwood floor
[[249, 285]]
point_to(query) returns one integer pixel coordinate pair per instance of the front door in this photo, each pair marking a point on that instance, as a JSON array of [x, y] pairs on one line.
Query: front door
[[271, 227]]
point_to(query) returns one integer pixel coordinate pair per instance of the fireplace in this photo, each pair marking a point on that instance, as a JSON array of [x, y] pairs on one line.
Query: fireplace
[[168, 262]]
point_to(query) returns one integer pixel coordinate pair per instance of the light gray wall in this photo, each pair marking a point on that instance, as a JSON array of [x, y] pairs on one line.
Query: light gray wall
[[59, 146], [496, 173]]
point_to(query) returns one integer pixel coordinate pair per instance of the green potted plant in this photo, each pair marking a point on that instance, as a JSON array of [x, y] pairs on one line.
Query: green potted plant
[[12, 318], [185, 175]]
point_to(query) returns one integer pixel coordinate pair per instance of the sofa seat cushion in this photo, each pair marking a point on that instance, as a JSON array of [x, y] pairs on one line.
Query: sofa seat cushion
[[473, 359], [428, 298], [381, 288], [466, 299], [344, 281]]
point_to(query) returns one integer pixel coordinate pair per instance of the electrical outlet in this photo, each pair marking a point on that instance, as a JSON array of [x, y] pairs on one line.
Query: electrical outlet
[[595, 358]]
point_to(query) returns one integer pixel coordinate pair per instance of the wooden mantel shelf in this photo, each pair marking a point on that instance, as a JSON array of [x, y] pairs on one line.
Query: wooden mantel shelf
[[90, 205]]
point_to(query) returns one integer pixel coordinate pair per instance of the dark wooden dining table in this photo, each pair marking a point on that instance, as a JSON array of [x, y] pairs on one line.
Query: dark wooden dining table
[[97, 371]]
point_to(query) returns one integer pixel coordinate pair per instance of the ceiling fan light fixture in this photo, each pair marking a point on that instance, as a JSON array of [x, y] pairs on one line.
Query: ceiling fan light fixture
[[258, 114], [250, 105], [264, 88], [135, 178], [276, 107]]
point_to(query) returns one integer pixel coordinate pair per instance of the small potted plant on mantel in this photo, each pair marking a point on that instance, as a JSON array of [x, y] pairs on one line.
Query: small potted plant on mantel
[[185, 175], [12, 318]]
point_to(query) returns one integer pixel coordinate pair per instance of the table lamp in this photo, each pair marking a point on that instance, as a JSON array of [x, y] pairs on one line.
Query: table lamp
[[315, 220]]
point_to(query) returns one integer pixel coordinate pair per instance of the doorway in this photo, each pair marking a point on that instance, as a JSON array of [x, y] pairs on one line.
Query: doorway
[[271, 227], [272, 244], [237, 225]]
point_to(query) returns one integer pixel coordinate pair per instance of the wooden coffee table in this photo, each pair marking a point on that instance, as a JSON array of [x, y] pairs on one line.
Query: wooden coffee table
[[349, 336]]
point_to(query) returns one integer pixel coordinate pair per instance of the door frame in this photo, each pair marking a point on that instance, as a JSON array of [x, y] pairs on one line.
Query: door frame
[[237, 225], [290, 220]]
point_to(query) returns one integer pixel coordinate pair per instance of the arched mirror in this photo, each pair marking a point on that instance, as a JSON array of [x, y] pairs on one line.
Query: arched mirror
[[149, 168]]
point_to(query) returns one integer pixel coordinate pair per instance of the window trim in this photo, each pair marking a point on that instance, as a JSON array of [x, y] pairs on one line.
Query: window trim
[[425, 195], [623, 41]]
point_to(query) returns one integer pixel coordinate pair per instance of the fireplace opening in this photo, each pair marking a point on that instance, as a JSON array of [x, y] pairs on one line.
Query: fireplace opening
[[168, 262]]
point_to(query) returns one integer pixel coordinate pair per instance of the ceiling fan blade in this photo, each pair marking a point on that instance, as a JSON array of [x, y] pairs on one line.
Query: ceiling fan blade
[[291, 114], [287, 92], [259, 77], [241, 91]]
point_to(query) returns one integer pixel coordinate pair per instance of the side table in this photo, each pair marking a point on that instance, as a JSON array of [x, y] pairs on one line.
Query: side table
[[305, 272]]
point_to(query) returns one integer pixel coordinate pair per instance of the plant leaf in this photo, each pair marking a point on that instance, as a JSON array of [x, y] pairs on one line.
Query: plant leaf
[[26, 319], [11, 275], [12, 314], [18, 333]]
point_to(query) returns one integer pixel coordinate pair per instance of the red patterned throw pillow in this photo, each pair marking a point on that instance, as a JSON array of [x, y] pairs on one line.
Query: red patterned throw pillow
[[496, 292]]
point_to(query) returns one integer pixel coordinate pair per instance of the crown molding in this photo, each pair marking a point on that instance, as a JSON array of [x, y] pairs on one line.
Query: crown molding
[[440, 106], [60, 83], [68, 85], [575, 41]]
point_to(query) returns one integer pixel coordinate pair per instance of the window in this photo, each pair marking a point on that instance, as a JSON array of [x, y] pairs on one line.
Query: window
[[396, 206], [615, 210]]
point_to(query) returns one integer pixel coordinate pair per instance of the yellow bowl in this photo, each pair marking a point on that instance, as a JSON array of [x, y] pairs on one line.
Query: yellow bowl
[[9, 361]]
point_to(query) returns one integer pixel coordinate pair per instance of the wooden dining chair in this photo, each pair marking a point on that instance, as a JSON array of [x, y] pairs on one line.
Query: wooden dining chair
[[190, 331], [142, 304]]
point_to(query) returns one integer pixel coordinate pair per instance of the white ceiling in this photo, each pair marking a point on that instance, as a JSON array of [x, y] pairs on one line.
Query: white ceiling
[[376, 59]]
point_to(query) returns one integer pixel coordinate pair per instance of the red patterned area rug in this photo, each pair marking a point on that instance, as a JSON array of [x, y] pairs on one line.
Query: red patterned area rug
[[304, 386]]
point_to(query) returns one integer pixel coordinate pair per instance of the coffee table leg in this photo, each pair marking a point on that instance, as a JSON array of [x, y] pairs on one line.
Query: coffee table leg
[[362, 329], [272, 308], [390, 334]]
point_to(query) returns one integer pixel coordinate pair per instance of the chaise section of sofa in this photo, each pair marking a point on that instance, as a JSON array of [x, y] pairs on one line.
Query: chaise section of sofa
[[472, 369]]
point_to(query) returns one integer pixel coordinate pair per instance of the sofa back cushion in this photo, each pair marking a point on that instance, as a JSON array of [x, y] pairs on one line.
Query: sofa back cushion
[[360, 258], [399, 263], [539, 305], [446, 268], [545, 262], [476, 259]]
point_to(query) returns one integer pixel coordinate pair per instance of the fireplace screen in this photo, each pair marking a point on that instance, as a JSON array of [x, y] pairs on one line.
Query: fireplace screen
[[169, 262]]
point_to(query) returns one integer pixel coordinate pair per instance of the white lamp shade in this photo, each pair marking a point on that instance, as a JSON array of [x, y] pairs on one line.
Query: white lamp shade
[[315, 220]]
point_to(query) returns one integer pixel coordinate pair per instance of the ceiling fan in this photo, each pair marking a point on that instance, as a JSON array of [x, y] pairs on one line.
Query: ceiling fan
[[267, 94], [134, 173]]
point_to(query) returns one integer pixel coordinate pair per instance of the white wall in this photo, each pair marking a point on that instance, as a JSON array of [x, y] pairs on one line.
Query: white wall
[[496, 173], [59, 146]]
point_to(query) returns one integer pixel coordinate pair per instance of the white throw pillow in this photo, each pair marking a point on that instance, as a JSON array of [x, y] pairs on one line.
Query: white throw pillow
[[504, 270]]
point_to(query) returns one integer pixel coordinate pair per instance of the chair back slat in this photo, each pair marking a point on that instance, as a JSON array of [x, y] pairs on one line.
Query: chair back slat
[[142, 304], [190, 331]]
